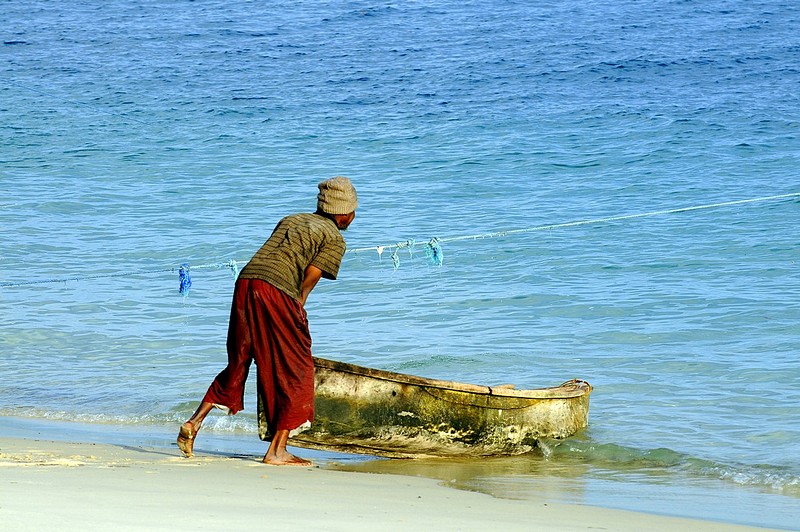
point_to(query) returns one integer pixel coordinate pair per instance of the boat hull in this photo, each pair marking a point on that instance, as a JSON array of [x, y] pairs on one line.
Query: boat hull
[[364, 410]]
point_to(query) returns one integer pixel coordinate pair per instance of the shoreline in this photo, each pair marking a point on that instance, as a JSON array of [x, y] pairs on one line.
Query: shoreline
[[141, 486]]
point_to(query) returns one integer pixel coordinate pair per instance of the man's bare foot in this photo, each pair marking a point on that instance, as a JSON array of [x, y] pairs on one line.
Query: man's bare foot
[[186, 438], [284, 459]]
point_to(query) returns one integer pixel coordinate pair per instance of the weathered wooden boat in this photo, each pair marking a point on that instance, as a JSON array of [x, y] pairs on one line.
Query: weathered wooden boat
[[371, 411]]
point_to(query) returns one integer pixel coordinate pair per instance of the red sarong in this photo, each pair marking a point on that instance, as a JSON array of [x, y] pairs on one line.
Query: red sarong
[[271, 328]]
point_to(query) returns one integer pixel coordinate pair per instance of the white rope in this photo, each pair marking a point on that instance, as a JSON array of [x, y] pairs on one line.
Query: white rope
[[400, 245], [432, 245]]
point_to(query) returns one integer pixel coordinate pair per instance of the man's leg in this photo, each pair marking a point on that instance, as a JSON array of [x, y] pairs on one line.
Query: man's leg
[[282, 350], [277, 453], [189, 429], [227, 389]]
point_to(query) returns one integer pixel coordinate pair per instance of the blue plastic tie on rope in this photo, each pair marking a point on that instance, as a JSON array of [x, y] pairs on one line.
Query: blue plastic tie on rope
[[408, 244], [234, 267], [433, 251], [185, 279]]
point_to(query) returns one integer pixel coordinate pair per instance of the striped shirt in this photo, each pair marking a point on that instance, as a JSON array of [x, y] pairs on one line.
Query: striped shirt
[[299, 240]]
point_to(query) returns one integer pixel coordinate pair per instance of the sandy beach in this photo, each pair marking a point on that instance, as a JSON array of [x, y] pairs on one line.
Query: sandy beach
[[92, 486]]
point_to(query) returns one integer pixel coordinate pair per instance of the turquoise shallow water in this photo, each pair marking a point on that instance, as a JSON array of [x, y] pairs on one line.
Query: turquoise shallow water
[[136, 136]]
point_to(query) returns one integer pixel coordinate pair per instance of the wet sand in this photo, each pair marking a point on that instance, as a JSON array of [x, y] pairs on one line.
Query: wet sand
[[93, 486]]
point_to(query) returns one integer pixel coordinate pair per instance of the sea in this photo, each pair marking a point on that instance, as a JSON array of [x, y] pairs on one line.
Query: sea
[[602, 190]]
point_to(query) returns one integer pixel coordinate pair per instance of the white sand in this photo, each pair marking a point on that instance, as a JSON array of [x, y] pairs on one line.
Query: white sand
[[81, 486]]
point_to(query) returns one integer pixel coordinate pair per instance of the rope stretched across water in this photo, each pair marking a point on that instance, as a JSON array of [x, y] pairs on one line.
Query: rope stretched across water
[[381, 249], [433, 247]]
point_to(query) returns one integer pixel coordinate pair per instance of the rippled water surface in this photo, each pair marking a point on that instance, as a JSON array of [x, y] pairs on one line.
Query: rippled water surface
[[136, 136]]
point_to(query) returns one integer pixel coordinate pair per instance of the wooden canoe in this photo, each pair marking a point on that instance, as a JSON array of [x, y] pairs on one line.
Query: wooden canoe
[[371, 411]]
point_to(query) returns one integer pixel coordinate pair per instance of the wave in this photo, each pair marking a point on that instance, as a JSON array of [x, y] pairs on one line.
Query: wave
[[623, 460], [243, 422], [610, 460]]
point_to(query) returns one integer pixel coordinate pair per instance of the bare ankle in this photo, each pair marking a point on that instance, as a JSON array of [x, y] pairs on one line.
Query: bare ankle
[[285, 458]]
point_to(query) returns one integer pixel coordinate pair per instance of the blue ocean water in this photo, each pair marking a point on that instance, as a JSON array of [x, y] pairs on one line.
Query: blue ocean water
[[138, 135]]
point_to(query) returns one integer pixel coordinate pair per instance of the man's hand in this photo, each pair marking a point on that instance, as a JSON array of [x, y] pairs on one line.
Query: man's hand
[[310, 280]]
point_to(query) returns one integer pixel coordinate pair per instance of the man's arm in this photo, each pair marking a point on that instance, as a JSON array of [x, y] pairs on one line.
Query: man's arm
[[310, 280]]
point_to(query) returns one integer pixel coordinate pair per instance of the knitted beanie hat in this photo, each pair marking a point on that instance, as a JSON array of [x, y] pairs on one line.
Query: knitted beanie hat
[[337, 196]]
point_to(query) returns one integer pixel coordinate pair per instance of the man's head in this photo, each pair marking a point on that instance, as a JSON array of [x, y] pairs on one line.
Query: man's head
[[337, 198]]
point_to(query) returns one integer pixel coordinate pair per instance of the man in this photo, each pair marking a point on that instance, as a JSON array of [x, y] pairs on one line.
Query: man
[[268, 322]]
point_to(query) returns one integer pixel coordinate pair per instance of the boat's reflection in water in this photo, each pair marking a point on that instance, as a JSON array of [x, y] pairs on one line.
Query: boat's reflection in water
[[531, 476]]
